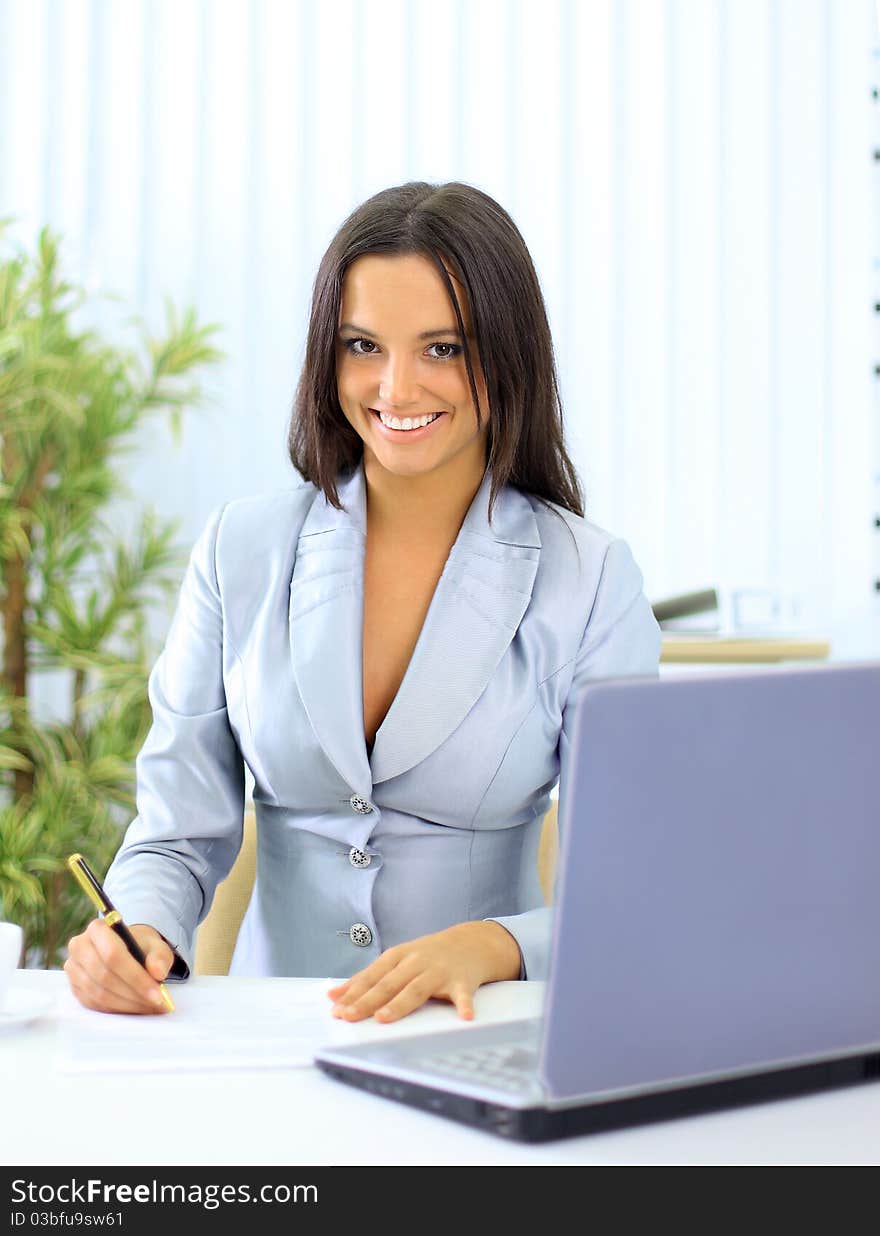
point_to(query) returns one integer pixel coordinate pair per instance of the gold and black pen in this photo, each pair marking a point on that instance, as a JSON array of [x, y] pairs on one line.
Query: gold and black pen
[[88, 882]]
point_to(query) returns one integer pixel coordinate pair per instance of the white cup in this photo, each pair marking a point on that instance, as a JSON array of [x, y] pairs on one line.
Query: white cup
[[10, 956]]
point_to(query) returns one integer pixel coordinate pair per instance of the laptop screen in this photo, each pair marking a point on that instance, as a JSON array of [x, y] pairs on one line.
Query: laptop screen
[[717, 904]]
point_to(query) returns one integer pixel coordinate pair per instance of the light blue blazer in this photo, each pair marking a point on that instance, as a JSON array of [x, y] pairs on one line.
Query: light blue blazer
[[440, 824]]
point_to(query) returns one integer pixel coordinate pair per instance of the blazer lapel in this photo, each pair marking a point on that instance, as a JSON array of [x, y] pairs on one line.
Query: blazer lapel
[[326, 627], [479, 601], [476, 609]]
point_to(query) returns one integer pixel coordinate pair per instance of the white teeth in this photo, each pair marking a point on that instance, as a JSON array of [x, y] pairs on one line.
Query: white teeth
[[408, 422]]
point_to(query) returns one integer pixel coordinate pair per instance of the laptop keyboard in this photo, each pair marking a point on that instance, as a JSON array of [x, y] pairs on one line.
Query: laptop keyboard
[[511, 1067]]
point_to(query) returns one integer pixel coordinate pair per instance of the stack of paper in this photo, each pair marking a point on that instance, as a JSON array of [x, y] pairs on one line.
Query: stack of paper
[[201, 1033]]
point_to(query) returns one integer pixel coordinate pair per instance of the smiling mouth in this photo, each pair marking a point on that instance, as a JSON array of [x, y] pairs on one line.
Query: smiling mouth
[[406, 424]]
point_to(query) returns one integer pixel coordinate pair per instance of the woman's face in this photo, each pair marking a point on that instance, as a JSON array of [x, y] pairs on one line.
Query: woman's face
[[399, 352]]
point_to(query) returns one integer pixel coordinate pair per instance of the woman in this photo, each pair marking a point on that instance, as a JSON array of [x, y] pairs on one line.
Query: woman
[[393, 647]]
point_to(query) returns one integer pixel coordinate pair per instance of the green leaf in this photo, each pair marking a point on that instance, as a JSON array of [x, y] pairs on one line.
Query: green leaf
[[71, 410], [9, 758]]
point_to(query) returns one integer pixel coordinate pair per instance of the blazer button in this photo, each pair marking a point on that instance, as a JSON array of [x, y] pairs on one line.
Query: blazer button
[[358, 858], [360, 934], [360, 804]]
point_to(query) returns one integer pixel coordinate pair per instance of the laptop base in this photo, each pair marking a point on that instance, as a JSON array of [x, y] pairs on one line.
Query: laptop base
[[542, 1124]]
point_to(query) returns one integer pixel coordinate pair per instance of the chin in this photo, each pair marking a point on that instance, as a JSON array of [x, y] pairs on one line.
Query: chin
[[403, 467]]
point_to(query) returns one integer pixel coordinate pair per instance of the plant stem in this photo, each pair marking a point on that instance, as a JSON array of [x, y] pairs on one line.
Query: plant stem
[[50, 942], [79, 686], [14, 637]]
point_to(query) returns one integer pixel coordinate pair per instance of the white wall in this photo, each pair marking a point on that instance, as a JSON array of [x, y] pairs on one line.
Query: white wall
[[694, 179]]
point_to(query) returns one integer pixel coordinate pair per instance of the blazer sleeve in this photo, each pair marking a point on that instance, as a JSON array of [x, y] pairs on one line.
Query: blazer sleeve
[[190, 773], [621, 639]]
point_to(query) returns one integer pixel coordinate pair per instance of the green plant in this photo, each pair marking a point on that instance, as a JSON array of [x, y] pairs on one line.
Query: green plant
[[74, 595]]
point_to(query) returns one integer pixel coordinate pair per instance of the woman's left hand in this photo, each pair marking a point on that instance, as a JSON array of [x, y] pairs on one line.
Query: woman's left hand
[[447, 965]]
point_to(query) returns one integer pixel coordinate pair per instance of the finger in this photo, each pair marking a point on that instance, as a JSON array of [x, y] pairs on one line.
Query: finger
[[413, 996], [464, 1003], [110, 956], [91, 961], [106, 979], [142, 978], [157, 966], [378, 995], [89, 965], [93, 994], [158, 952], [335, 992], [361, 982], [374, 987]]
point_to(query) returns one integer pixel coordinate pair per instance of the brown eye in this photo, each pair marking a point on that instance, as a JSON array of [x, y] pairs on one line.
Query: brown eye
[[349, 344], [454, 350]]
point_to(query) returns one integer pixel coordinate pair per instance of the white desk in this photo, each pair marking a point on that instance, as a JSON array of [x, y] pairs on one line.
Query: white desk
[[301, 1117]]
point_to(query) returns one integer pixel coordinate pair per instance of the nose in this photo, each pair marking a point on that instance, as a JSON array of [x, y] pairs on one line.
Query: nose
[[397, 384]]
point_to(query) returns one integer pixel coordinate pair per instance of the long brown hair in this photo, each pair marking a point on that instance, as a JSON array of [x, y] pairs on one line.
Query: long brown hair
[[464, 227]]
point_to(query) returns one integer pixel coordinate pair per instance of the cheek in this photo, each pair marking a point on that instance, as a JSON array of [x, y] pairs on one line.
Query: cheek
[[348, 400], [349, 378], [343, 379], [351, 396]]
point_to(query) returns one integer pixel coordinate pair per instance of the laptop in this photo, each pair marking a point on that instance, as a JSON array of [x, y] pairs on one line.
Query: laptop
[[717, 915]]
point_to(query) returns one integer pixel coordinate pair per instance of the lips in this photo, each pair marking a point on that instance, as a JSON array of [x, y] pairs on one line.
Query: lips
[[436, 416], [393, 415], [406, 435]]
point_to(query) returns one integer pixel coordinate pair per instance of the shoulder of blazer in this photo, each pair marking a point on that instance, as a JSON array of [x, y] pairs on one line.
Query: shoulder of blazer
[[577, 555], [571, 545], [257, 535]]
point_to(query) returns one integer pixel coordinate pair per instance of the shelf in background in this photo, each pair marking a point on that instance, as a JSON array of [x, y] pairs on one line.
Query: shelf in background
[[681, 648]]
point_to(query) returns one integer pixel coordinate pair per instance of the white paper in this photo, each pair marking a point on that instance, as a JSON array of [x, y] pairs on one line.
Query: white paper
[[282, 1032]]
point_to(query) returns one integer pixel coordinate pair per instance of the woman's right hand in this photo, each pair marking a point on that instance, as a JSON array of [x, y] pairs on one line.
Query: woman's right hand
[[105, 977]]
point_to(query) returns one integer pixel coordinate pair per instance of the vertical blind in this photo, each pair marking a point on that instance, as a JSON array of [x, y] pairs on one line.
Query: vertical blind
[[693, 179]]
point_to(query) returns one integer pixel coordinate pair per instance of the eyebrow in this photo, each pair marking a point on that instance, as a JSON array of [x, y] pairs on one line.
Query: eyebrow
[[426, 334]]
